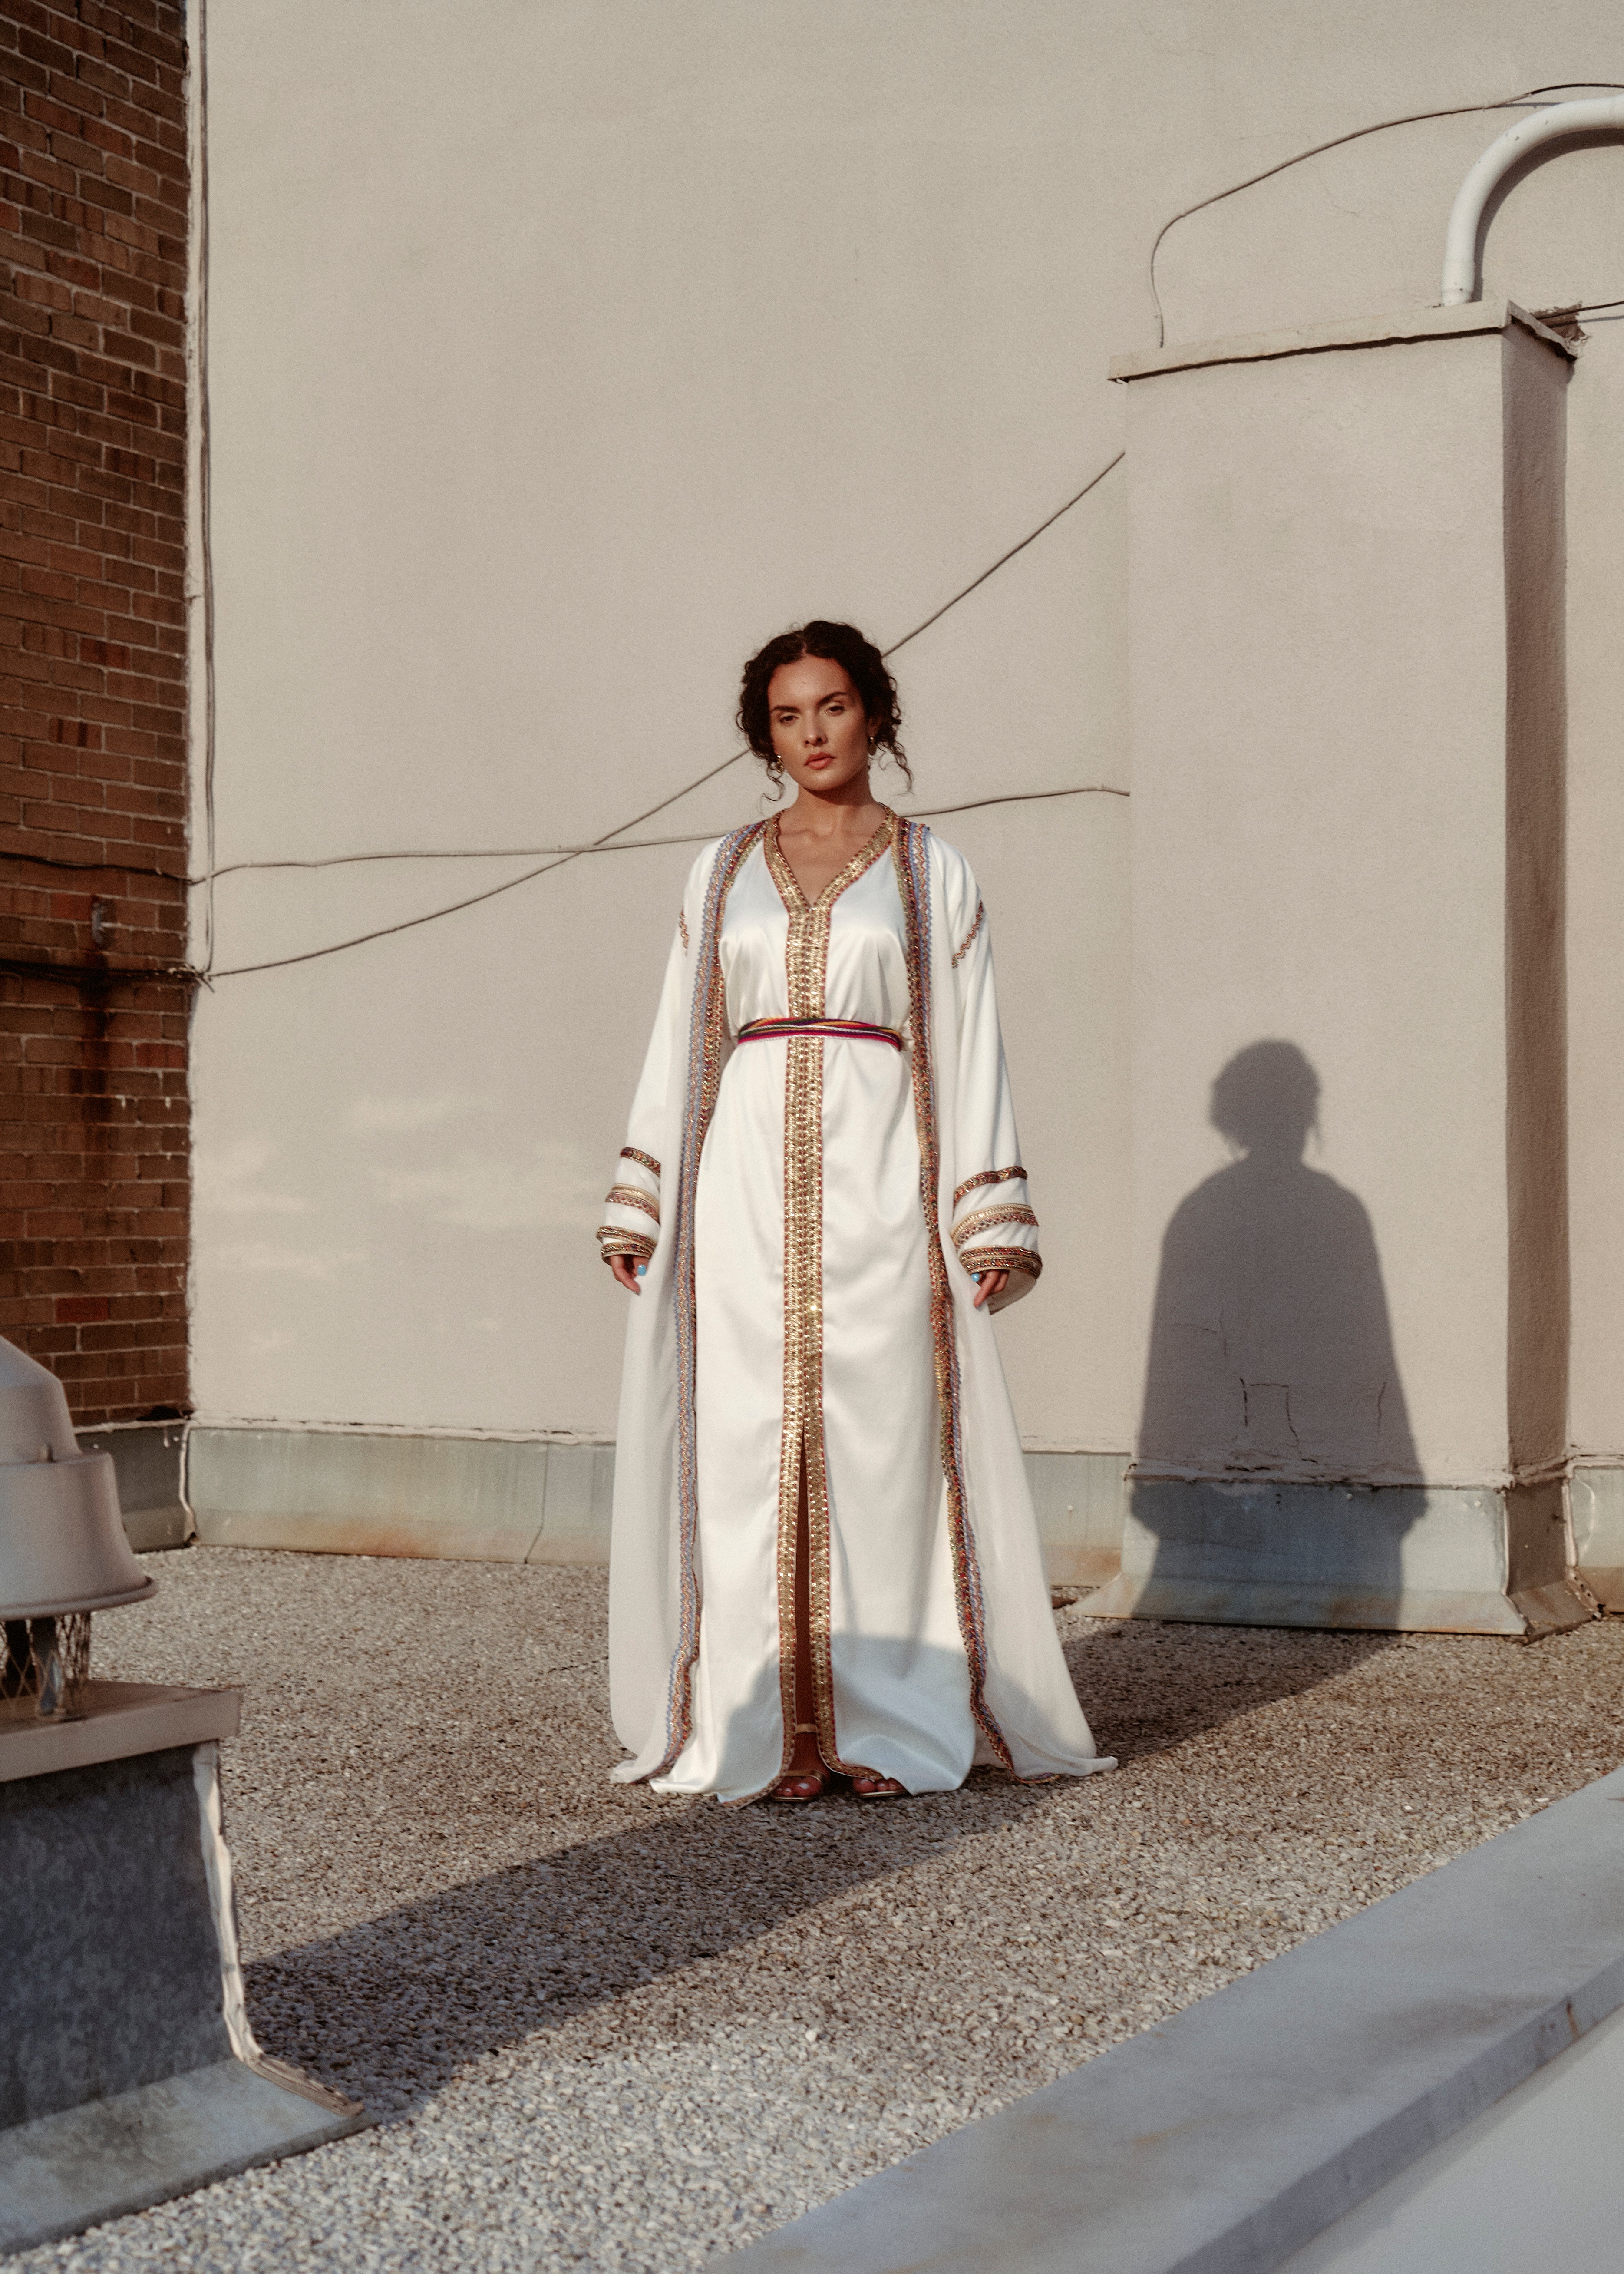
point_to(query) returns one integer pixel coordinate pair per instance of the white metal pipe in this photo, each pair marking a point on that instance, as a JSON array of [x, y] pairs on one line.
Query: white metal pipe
[[1598, 113]]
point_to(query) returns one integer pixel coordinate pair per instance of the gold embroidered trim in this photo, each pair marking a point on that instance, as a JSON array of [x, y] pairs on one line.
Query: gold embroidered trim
[[987, 1177], [1004, 1259], [682, 931], [968, 941], [984, 1219], [806, 958], [707, 1034], [644, 1159], [912, 870], [613, 1241], [633, 1196]]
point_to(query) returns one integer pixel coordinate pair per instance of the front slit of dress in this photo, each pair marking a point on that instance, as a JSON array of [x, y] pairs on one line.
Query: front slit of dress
[[806, 960]]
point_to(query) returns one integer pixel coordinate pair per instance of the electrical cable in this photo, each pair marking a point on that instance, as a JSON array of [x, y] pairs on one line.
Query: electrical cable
[[605, 843], [95, 975], [114, 868], [1092, 483], [642, 844], [601, 844], [578, 852], [560, 856], [1529, 99]]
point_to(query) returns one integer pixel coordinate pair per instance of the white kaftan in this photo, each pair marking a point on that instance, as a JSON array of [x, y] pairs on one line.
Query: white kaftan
[[790, 1197]]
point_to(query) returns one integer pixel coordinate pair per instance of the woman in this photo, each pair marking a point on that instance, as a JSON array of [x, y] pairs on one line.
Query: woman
[[824, 1560]]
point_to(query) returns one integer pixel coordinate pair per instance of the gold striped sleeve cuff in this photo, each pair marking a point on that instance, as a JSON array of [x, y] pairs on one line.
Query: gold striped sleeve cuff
[[983, 1260], [632, 1196], [981, 1220], [989, 1176], [613, 1241]]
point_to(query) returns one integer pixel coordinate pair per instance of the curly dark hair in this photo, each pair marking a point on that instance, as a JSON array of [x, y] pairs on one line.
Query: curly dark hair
[[863, 664]]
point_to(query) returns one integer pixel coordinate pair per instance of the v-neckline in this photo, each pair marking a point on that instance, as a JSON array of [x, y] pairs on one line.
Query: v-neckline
[[791, 890]]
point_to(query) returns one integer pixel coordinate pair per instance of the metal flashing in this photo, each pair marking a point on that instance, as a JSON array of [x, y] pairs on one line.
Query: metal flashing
[[1408, 327], [122, 1720]]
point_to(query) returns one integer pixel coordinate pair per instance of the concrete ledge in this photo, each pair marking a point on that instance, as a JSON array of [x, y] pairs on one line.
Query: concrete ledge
[[1396, 1558], [1228, 2138], [1529, 2180], [1597, 1496], [1080, 1499], [151, 1529], [1259, 1604], [344, 1492], [119, 1720], [63, 2173], [492, 1500], [1410, 324], [1424, 1558], [146, 1462]]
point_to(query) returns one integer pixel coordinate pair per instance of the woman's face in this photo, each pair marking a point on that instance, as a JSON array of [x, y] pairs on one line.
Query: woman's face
[[820, 729]]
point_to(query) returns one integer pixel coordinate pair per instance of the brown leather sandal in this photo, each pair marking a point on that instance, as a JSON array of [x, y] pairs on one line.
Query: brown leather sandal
[[868, 1784], [802, 1784]]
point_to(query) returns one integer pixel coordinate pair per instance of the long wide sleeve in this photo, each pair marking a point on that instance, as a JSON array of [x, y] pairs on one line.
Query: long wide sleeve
[[994, 1227], [631, 1224]]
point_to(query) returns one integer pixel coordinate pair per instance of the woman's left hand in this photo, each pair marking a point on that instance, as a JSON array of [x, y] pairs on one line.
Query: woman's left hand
[[988, 1284]]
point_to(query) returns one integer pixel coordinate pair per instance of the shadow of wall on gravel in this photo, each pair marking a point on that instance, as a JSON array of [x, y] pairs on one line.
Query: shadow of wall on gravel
[[1149, 1685], [392, 2009]]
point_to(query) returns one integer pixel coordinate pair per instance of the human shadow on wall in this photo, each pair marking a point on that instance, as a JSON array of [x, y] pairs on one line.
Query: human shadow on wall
[[1276, 1464]]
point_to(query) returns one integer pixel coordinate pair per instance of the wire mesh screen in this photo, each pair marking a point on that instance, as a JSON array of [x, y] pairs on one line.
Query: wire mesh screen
[[45, 1665]]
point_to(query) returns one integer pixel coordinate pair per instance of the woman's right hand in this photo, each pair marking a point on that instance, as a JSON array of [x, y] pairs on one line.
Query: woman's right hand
[[625, 1269]]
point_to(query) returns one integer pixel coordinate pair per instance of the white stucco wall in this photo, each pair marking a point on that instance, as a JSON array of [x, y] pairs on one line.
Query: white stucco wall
[[561, 353], [1319, 638]]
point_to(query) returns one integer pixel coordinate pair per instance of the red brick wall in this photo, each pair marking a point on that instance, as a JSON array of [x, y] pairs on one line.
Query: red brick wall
[[93, 1162]]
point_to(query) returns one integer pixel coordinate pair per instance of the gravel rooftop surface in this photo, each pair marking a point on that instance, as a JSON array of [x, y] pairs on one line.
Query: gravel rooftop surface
[[601, 2028]]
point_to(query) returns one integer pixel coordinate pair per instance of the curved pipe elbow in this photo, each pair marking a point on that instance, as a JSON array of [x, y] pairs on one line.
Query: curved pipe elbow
[[1596, 114]]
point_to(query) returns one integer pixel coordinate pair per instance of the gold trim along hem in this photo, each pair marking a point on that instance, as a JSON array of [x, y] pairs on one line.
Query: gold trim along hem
[[801, 1452], [912, 857], [707, 1033]]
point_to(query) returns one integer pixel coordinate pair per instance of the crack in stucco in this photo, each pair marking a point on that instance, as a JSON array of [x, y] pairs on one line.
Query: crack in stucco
[[1290, 1424]]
